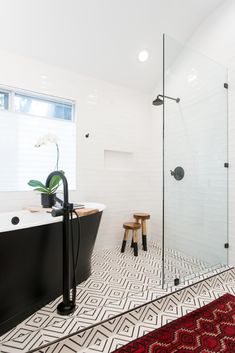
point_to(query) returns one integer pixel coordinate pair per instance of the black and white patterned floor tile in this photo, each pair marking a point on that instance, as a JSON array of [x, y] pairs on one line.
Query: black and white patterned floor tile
[[116, 332], [119, 282]]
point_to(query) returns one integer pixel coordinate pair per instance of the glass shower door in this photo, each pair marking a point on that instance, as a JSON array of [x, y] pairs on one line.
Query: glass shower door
[[195, 169]]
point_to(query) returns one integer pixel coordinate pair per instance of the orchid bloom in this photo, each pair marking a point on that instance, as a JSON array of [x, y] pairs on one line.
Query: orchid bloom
[[49, 138]]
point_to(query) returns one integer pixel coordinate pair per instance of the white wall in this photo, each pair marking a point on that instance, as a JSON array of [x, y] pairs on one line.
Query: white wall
[[122, 120], [215, 39], [117, 119]]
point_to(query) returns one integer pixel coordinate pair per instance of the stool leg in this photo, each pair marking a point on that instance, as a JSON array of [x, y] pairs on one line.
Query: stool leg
[[124, 240], [132, 243], [144, 235], [135, 242]]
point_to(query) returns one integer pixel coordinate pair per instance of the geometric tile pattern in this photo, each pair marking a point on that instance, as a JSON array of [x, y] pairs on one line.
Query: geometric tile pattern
[[119, 331], [119, 282], [207, 329]]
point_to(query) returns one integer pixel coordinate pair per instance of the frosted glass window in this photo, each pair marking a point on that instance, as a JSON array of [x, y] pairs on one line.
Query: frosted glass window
[[20, 131], [42, 107]]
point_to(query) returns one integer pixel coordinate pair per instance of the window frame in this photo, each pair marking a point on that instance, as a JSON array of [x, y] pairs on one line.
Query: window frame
[[12, 91], [5, 91]]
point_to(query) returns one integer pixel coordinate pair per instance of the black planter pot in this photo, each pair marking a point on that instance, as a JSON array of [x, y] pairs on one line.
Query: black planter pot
[[47, 201]]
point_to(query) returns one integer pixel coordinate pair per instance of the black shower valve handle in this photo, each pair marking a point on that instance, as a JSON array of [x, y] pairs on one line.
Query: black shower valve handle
[[177, 173], [69, 207], [57, 212]]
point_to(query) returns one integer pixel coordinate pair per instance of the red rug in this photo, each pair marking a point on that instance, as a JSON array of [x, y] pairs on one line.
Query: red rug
[[209, 329]]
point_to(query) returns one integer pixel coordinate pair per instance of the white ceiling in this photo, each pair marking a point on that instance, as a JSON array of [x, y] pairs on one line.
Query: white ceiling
[[100, 38]]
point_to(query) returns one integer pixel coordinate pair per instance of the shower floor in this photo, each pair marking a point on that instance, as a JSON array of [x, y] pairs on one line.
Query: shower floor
[[119, 282]]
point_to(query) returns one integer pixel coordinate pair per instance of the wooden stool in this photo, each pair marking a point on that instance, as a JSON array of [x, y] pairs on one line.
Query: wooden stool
[[142, 217], [134, 227]]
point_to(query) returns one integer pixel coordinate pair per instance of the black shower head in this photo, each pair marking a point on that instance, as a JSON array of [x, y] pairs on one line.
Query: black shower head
[[158, 101]]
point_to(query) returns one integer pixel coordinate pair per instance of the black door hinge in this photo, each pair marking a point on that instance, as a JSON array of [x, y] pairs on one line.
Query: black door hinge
[[226, 165], [226, 85], [226, 245]]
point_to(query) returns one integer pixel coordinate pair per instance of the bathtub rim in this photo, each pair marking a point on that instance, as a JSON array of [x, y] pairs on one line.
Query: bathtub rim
[[45, 218]]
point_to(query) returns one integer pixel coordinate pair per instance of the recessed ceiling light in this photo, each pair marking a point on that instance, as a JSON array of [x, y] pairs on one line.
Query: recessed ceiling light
[[143, 56]]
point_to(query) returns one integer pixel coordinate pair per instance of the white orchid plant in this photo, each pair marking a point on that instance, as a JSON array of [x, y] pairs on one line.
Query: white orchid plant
[[50, 138], [55, 180]]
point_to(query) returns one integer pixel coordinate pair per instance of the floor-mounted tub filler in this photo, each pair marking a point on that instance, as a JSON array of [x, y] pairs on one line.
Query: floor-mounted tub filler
[[31, 256]]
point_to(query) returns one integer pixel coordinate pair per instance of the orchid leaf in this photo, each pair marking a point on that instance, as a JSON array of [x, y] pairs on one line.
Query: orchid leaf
[[36, 183], [43, 190], [54, 182], [55, 187]]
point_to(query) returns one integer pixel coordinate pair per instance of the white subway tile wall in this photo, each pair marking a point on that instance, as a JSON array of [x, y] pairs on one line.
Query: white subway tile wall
[[117, 119]]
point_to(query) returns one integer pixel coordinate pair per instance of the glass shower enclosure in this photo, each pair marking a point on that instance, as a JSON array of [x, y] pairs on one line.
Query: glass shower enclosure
[[195, 163]]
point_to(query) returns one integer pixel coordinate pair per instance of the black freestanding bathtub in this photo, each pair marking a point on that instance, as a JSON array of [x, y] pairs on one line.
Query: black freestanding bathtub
[[31, 261]]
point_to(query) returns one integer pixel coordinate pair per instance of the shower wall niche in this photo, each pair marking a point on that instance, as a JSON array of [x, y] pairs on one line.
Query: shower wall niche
[[195, 138]]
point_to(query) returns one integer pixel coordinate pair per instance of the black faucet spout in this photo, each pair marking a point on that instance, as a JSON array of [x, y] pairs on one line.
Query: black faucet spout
[[64, 181]]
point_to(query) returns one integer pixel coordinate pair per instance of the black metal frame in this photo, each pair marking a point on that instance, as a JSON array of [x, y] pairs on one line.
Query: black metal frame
[[163, 169]]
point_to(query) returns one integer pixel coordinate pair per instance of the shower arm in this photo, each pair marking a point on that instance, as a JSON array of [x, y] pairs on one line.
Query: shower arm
[[177, 100]]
